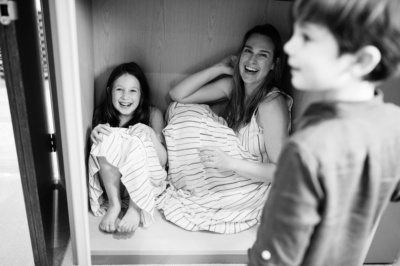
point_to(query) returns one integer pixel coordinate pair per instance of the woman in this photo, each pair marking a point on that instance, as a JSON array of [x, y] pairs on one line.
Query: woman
[[220, 169]]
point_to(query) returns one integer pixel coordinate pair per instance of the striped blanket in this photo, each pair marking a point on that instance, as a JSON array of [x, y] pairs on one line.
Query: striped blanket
[[132, 152], [203, 198]]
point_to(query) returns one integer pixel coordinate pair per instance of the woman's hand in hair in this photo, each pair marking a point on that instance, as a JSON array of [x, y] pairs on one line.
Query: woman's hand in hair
[[211, 84], [97, 133], [228, 63]]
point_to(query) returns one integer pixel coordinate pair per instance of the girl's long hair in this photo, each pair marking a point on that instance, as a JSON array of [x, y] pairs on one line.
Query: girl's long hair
[[106, 113], [238, 110]]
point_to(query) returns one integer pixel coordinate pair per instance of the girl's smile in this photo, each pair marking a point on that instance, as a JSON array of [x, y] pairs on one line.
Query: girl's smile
[[126, 95]]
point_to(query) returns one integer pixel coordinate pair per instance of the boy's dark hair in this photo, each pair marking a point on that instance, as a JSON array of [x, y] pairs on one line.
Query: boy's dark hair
[[356, 24], [239, 112], [106, 113]]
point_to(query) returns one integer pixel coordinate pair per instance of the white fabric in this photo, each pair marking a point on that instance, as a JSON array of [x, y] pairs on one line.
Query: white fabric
[[132, 152], [204, 198]]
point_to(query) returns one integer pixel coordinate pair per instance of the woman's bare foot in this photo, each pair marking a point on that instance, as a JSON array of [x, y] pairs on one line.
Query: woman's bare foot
[[108, 223], [131, 219]]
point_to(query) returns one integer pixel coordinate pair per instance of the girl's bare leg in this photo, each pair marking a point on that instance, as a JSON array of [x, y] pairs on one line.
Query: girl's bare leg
[[131, 219], [125, 198], [110, 176]]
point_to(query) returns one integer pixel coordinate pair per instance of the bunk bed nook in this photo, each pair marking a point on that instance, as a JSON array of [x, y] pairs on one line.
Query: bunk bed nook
[[169, 40]]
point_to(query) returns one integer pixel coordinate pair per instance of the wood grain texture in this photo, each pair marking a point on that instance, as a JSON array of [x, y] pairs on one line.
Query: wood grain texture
[[85, 43], [279, 15], [169, 39]]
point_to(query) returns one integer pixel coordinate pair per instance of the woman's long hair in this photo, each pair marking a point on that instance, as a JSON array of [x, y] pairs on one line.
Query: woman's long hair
[[239, 111], [106, 113]]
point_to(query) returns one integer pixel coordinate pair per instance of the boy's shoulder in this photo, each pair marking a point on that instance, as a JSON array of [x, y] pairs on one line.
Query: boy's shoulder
[[392, 108], [317, 135], [339, 134]]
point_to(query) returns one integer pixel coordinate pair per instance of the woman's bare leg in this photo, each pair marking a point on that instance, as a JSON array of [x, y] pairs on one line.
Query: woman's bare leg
[[110, 176]]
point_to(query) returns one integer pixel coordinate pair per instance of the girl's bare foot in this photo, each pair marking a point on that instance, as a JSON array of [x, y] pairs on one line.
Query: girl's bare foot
[[108, 223], [131, 219]]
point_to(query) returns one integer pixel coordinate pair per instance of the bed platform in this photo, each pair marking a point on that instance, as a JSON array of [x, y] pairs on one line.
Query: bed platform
[[166, 243]]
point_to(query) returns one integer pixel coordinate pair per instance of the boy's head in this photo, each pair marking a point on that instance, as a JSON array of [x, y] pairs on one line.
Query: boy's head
[[356, 24]]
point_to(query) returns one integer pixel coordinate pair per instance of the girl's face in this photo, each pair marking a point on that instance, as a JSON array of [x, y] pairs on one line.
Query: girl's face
[[314, 59], [126, 94], [256, 59]]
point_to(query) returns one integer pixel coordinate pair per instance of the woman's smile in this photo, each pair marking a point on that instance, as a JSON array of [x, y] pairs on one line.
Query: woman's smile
[[251, 70], [256, 59]]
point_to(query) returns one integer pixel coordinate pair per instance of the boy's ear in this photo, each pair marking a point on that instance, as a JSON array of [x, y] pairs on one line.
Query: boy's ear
[[367, 58]]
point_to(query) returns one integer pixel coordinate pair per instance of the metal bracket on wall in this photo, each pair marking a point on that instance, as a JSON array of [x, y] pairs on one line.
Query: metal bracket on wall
[[53, 147], [8, 11]]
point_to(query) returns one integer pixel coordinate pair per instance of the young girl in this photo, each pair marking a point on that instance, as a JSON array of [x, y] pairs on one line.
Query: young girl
[[127, 155], [220, 171]]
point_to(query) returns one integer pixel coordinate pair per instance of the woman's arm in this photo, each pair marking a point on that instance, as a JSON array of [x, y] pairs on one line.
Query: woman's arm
[[273, 117], [197, 89], [259, 172], [157, 137]]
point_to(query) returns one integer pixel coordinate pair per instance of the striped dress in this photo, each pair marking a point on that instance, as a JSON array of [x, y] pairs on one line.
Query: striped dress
[[204, 198], [132, 152]]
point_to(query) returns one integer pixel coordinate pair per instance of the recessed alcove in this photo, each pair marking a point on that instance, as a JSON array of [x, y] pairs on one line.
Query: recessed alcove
[[169, 40]]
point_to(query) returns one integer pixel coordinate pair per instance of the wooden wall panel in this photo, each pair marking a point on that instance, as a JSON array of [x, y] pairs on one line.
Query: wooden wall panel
[[391, 91], [279, 15], [85, 43], [171, 39]]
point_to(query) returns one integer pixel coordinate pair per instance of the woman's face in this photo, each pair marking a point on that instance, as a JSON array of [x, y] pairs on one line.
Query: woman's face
[[126, 94], [256, 59]]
